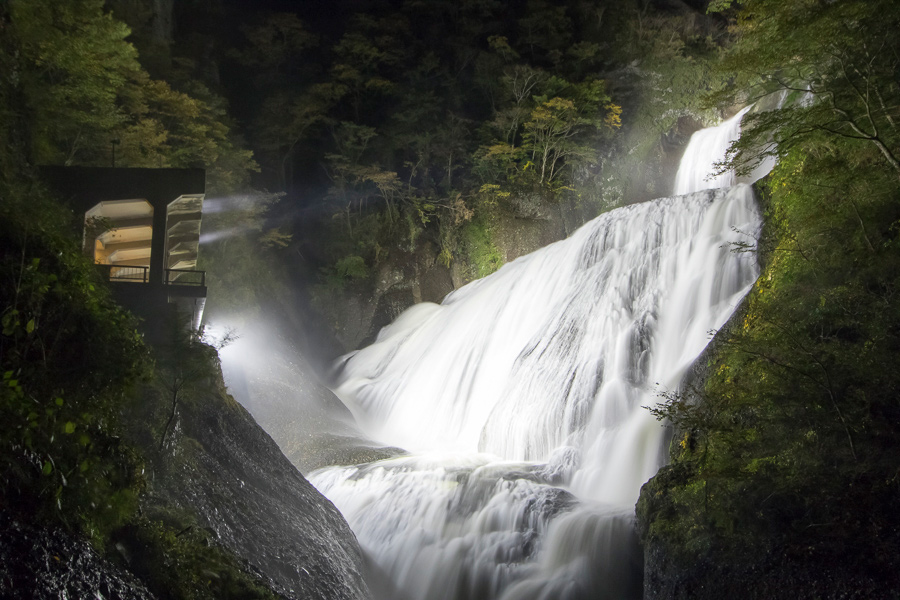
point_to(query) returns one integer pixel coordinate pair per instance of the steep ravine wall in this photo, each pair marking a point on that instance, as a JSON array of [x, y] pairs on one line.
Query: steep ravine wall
[[222, 467], [222, 474], [403, 278]]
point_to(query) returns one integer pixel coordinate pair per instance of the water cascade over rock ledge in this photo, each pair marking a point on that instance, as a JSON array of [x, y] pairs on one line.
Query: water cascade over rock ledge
[[521, 400]]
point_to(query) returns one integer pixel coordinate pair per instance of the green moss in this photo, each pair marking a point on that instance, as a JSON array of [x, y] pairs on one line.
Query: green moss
[[351, 267], [481, 254]]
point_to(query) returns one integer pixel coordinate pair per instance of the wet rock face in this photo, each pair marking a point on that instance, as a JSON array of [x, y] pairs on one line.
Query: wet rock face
[[231, 474], [408, 277], [403, 278], [38, 563]]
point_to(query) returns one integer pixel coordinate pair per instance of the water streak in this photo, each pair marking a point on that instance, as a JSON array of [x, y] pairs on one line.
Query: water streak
[[520, 398]]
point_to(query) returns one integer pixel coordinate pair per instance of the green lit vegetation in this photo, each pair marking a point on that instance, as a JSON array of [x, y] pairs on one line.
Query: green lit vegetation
[[69, 358], [480, 251], [84, 87], [789, 449], [77, 433]]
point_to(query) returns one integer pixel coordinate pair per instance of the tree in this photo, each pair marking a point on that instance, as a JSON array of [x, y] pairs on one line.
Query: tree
[[85, 91], [347, 166], [548, 132], [788, 451], [561, 126], [69, 357], [521, 83], [546, 30], [287, 119], [365, 56], [835, 62], [276, 46], [163, 127], [75, 61], [185, 366]]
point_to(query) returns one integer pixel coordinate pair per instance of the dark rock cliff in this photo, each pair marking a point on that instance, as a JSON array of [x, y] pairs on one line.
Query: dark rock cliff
[[220, 480], [222, 467], [405, 277], [38, 563]]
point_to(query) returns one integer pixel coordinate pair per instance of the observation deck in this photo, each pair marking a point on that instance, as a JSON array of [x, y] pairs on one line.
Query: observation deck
[[142, 228]]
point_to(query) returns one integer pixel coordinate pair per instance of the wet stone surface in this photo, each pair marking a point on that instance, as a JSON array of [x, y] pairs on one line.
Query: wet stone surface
[[39, 563]]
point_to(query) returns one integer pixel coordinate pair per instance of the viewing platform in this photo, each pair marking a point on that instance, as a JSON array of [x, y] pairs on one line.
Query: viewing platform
[[142, 228]]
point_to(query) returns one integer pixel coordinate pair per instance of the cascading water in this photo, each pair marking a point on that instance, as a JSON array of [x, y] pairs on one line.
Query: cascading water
[[521, 400], [698, 163]]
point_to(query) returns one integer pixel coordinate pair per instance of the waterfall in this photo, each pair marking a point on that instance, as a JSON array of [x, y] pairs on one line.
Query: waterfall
[[705, 148], [520, 399]]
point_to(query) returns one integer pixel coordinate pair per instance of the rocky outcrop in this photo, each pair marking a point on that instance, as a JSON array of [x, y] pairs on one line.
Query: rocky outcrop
[[401, 279], [222, 467], [38, 563], [224, 476], [406, 277], [268, 372]]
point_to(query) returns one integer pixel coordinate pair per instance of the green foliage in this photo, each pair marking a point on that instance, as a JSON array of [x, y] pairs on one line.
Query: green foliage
[[549, 128], [409, 112], [833, 59], [178, 560], [169, 128], [70, 359], [74, 60], [792, 439], [276, 43], [353, 267], [677, 70], [68, 356], [334, 280], [85, 93], [364, 59], [285, 120], [545, 30], [719, 5]]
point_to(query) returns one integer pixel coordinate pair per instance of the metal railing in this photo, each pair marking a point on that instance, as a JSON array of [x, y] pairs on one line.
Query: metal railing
[[127, 273], [185, 277], [132, 274]]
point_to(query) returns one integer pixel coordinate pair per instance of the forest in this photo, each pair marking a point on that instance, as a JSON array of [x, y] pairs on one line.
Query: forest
[[342, 141]]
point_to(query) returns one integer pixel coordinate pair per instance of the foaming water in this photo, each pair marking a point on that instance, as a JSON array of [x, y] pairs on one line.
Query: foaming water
[[520, 398]]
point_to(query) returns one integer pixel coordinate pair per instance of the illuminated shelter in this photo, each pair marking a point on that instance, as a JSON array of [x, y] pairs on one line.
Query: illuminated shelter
[[142, 227]]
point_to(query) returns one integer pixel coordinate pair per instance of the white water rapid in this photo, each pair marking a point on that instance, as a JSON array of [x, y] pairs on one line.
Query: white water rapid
[[520, 400]]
